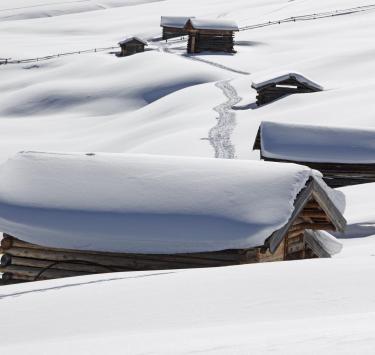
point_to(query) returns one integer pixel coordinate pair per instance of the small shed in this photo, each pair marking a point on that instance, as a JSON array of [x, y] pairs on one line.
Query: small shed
[[211, 35], [344, 155], [131, 46], [174, 26], [117, 212], [276, 87]]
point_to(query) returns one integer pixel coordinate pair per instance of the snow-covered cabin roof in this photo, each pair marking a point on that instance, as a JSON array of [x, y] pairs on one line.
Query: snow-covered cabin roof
[[323, 144], [174, 21], [146, 203], [263, 81], [214, 24], [130, 39]]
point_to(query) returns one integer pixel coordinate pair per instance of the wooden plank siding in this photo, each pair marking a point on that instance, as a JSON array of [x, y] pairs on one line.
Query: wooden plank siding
[[337, 174], [277, 90], [131, 48], [172, 32]]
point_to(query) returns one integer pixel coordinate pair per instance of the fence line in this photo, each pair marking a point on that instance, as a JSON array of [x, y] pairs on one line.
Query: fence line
[[308, 17], [48, 57]]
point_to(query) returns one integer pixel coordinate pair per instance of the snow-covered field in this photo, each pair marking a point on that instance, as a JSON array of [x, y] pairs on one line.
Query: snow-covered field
[[163, 102]]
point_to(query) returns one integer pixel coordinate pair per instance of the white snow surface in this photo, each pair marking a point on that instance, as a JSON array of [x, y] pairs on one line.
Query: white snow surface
[[307, 143], [162, 102], [174, 21], [145, 203], [323, 306], [260, 81], [214, 24], [129, 39]]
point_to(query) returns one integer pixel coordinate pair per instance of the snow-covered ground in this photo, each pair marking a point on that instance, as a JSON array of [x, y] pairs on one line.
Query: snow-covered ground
[[322, 306], [163, 102]]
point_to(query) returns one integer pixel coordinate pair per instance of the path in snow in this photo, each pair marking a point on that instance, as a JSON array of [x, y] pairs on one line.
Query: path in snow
[[219, 136], [217, 65], [164, 47]]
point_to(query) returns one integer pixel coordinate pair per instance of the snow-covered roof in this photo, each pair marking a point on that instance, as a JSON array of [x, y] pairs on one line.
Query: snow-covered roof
[[145, 203], [307, 143], [174, 21], [214, 24], [262, 81], [130, 39]]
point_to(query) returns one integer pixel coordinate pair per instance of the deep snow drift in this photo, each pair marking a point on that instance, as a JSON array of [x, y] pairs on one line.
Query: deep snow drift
[[146, 203]]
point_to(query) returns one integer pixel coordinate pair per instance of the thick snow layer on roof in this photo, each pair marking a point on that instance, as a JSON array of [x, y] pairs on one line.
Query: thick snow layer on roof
[[129, 39], [174, 21], [261, 81], [307, 143], [214, 24], [140, 203]]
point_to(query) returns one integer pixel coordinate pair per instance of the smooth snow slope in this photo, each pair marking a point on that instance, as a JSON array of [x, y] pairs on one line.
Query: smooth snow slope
[[321, 306], [146, 203]]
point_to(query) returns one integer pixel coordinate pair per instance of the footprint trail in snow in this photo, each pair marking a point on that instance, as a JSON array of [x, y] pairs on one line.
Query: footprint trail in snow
[[220, 135]]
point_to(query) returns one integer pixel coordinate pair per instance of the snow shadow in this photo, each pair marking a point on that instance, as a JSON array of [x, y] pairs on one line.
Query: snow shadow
[[360, 230], [126, 231], [249, 43], [76, 284]]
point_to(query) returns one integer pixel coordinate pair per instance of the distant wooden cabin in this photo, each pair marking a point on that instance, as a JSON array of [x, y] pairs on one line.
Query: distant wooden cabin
[[280, 86], [211, 35], [345, 156], [233, 213], [174, 26], [132, 45]]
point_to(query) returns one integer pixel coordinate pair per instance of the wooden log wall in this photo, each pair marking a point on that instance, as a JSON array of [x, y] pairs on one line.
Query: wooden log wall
[[129, 49], [171, 32], [211, 41], [30, 262], [276, 91], [312, 217], [215, 43], [338, 174]]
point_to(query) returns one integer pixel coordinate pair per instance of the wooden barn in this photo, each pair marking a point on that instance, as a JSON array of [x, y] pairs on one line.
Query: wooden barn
[[211, 35], [174, 26], [132, 45], [345, 156], [271, 89], [269, 212]]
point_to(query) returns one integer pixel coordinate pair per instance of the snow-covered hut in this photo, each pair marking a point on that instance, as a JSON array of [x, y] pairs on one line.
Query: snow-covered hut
[[280, 85], [76, 213], [344, 155], [132, 45], [211, 35], [174, 26]]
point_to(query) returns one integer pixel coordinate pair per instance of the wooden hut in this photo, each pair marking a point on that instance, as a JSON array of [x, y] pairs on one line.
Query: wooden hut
[[271, 89], [131, 46], [179, 213], [211, 35], [174, 26], [345, 156]]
